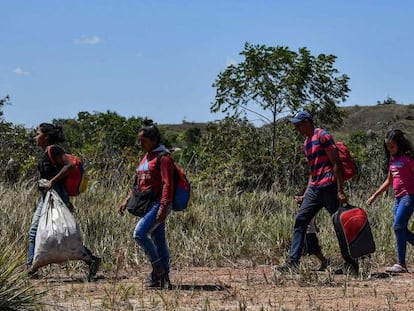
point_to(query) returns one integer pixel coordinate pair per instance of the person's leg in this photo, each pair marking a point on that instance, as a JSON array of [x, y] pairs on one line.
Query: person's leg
[[92, 261], [403, 209], [159, 238], [33, 232], [410, 211], [142, 234], [308, 209], [160, 241], [143, 230], [313, 248]]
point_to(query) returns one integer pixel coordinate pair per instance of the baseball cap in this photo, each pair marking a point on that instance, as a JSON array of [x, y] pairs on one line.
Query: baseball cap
[[301, 116]]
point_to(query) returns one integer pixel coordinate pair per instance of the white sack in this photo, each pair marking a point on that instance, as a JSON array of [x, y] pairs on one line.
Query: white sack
[[58, 237]]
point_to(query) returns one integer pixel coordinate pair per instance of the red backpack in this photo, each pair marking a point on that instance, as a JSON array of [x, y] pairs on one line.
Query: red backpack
[[182, 189], [349, 169], [76, 182]]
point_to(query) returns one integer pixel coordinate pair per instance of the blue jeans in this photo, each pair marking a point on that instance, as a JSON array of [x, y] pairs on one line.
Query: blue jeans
[[61, 190], [151, 237], [403, 209], [315, 198]]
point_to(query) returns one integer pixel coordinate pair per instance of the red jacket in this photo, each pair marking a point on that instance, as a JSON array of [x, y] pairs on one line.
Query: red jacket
[[159, 179]]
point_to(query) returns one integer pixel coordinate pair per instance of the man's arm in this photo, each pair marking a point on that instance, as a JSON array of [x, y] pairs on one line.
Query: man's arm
[[338, 172]]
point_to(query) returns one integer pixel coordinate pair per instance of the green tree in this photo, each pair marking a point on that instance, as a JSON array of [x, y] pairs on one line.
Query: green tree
[[17, 148], [278, 81], [3, 101], [230, 156]]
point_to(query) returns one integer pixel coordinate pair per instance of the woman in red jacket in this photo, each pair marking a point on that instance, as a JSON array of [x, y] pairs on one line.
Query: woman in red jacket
[[154, 173]]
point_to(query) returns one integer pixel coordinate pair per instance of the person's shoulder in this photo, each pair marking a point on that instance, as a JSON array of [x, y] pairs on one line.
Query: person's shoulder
[[56, 150], [407, 157], [322, 131], [165, 156]]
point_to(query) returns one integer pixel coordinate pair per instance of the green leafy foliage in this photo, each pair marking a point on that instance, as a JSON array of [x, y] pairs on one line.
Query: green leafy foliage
[[278, 81]]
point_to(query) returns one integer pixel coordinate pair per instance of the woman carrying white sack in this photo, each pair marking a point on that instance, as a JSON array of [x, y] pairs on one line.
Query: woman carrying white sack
[[55, 172]]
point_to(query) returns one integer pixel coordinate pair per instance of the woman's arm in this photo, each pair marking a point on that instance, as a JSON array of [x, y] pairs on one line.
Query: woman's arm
[[62, 159], [167, 192]]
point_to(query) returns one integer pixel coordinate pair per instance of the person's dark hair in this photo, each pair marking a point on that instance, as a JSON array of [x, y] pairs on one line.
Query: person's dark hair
[[150, 130], [54, 132], [403, 144]]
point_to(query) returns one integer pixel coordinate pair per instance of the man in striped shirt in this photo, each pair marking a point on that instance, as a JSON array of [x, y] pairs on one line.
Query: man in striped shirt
[[325, 186]]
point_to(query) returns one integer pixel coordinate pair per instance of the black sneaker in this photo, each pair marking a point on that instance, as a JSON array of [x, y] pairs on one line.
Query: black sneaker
[[288, 267], [93, 267]]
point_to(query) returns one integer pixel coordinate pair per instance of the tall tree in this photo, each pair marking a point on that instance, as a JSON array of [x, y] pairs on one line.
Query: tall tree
[[280, 81], [3, 101]]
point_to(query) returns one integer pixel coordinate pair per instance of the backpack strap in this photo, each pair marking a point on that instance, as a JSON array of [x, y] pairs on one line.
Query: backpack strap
[[49, 153], [159, 156]]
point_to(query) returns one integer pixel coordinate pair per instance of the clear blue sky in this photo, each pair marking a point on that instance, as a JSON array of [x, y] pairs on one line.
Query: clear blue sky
[[158, 59]]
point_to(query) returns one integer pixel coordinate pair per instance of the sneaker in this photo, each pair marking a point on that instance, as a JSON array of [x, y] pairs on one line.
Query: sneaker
[[324, 265], [288, 267], [93, 267], [397, 268]]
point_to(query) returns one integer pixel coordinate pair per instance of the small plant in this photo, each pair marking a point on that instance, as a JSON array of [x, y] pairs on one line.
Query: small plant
[[16, 292]]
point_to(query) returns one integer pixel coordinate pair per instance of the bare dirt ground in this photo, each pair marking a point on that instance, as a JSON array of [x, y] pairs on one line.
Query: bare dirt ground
[[230, 288]]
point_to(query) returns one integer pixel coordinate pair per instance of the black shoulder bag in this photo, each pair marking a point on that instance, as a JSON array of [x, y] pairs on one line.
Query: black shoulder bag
[[139, 202]]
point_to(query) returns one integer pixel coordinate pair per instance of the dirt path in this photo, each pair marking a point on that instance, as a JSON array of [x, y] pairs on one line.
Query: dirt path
[[258, 288]]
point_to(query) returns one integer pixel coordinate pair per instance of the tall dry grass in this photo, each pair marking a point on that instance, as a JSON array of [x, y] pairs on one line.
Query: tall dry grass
[[217, 229]]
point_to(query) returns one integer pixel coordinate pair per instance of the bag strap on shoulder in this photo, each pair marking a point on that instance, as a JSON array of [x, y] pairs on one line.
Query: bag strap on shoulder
[[49, 153], [159, 156]]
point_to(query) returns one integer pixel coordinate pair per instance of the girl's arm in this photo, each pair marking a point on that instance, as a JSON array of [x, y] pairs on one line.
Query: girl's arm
[[67, 167], [381, 189]]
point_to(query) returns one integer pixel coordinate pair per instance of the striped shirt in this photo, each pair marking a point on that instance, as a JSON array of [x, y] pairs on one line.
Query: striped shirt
[[315, 148]]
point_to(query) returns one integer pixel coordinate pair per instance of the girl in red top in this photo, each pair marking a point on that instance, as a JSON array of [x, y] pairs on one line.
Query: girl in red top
[[400, 158], [154, 173]]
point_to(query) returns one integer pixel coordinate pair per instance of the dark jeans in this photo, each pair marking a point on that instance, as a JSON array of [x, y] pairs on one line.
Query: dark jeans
[[314, 200]]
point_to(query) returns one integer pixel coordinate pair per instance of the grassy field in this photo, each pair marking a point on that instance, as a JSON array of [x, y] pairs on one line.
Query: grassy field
[[219, 231]]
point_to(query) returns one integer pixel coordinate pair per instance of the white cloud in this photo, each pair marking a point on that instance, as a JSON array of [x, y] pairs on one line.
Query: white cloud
[[89, 40], [20, 72]]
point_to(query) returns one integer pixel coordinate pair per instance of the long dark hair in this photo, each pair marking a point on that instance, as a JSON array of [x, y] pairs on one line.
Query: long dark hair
[[403, 144], [54, 133], [150, 130]]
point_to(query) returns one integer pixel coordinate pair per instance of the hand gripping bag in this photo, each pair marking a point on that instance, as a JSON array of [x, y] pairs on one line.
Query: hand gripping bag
[[58, 237]]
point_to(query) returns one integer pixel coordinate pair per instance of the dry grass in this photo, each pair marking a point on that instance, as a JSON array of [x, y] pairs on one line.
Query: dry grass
[[222, 249]]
